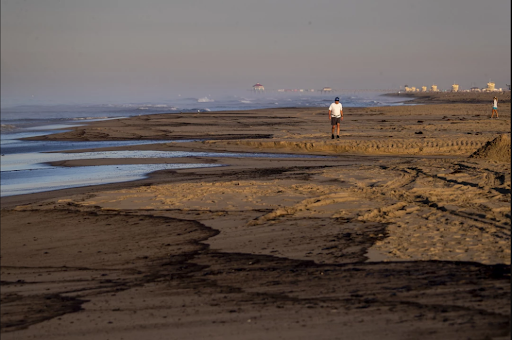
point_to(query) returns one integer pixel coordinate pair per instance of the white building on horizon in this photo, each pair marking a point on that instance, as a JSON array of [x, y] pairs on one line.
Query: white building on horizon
[[258, 87]]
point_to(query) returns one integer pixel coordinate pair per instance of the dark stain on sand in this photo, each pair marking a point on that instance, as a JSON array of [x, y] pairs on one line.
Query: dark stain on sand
[[137, 250]]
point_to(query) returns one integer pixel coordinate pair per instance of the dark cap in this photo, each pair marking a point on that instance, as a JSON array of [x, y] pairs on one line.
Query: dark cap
[[337, 99]]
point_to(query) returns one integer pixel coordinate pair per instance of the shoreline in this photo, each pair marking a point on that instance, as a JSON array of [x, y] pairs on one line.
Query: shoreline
[[423, 134], [397, 234]]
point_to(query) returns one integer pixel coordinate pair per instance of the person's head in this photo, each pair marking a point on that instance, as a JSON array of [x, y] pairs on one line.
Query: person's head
[[337, 99]]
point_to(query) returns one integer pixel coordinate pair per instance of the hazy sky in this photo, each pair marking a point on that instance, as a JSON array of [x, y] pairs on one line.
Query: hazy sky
[[64, 51]]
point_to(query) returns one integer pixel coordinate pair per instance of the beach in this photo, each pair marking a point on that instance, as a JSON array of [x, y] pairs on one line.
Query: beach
[[398, 230]]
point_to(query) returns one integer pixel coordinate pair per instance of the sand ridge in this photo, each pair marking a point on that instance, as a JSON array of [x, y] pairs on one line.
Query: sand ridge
[[348, 145]]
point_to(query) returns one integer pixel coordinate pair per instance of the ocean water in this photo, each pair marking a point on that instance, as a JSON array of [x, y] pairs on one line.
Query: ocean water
[[45, 117], [25, 168]]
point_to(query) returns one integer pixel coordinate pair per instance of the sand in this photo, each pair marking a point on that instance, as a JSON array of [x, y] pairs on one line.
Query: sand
[[496, 150], [402, 231]]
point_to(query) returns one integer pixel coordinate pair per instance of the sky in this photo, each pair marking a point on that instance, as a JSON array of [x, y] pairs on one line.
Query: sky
[[106, 51]]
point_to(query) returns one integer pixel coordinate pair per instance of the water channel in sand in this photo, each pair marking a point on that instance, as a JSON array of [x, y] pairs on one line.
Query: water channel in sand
[[25, 167]]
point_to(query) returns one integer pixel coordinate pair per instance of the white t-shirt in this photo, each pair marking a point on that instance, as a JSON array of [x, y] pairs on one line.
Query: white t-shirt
[[335, 109], [495, 103]]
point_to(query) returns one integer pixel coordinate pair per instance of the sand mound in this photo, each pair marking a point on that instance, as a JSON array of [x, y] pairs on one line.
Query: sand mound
[[497, 150]]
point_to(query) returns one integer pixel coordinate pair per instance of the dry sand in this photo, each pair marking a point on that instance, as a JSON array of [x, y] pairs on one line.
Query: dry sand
[[402, 232]]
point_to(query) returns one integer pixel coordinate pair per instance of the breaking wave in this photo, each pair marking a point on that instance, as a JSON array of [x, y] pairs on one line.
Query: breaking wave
[[89, 118], [8, 127], [205, 100]]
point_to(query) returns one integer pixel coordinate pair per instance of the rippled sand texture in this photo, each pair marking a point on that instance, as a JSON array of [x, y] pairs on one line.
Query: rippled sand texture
[[430, 209]]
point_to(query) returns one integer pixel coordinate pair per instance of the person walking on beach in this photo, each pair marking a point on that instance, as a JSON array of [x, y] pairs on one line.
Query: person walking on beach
[[336, 116], [495, 107]]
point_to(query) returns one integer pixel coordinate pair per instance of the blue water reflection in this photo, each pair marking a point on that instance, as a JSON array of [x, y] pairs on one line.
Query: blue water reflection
[[56, 178]]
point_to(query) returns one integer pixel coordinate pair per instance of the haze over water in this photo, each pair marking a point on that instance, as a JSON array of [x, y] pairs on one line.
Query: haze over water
[[17, 118], [105, 51]]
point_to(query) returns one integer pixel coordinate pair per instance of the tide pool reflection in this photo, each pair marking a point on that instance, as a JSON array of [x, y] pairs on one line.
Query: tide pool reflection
[[55, 178]]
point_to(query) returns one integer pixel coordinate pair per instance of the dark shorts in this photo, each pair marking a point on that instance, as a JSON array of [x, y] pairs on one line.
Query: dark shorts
[[335, 120]]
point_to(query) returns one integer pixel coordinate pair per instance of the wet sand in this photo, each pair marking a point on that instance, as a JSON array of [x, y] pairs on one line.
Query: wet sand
[[397, 234]]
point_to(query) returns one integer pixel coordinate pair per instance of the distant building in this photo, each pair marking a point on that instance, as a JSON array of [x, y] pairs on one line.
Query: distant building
[[455, 88], [326, 89], [490, 87], [258, 87], [423, 89], [475, 89], [434, 88]]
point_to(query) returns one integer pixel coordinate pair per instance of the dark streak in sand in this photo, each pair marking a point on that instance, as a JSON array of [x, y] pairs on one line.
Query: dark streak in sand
[[460, 294]]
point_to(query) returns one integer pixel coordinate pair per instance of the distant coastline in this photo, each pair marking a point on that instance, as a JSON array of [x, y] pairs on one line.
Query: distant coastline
[[452, 97]]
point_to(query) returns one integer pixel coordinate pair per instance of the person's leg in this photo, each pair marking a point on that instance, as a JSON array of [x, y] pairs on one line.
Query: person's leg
[[332, 131], [493, 111], [338, 126]]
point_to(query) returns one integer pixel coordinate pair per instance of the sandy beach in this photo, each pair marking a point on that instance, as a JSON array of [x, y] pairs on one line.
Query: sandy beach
[[398, 230]]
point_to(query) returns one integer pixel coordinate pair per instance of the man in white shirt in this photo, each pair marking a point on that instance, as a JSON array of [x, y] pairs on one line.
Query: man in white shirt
[[336, 116]]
